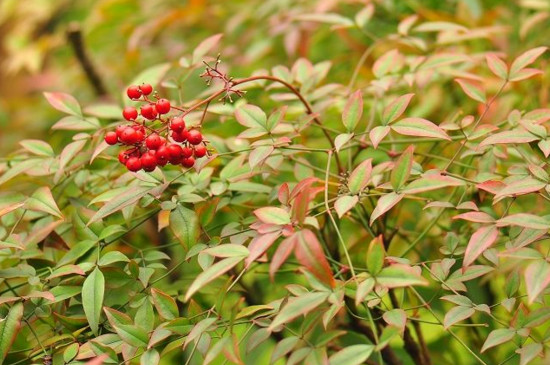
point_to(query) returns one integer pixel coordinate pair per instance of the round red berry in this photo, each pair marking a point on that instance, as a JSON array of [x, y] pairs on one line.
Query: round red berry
[[186, 152], [149, 111], [174, 151], [194, 136], [129, 135], [119, 129], [163, 106], [129, 113], [146, 89], [162, 155], [140, 136], [111, 138], [177, 124], [200, 151], [133, 164], [148, 161], [153, 141], [188, 162], [123, 157], [133, 92], [178, 137]]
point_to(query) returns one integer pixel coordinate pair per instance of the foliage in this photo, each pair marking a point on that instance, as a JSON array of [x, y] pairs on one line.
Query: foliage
[[376, 190]]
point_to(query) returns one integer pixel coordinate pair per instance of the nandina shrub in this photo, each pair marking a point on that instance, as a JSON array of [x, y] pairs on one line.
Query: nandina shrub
[[398, 215]]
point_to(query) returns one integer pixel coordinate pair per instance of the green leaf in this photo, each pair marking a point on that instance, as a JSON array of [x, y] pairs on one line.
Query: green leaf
[[43, 201], [419, 127], [396, 108], [272, 215], [341, 140], [219, 268], [120, 202], [112, 257], [497, 337], [166, 305], [77, 251], [524, 220], [399, 275], [185, 226], [402, 169], [283, 347], [251, 116], [204, 47], [375, 256], [64, 103], [37, 147], [510, 137], [198, 330], [529, 352], [9, 326], [457, 314], [227, 250], [344, 204], [497, 66], [150, 357], [329, 18], [474, 91], [431, 182], [298, 306], [537, 278], [360, 176], [377, 134], [132, 335], [70, 352], [93, 291], [384, 204], [353, 111]]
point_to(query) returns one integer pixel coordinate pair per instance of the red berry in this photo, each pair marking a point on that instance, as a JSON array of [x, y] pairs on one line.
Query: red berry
[[133, 164], [153, 141], [123, 157], [149, 111], [148, 162], [133, 92], [129, 113], [129, 135], [163, 106], [200, 151], [177, 124], [174, 151], [178, 137], [162, 155], [188, 162], [186, 152], [140, 136], [194, 136], [146, 89], [111, 138], [119, 129]]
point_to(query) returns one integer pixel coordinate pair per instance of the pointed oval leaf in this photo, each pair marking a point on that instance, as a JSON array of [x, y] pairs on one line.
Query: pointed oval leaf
[[524, 220], [396, 108], [64, 102], [344, 204], [360, 176], [497, 337], [352, 355], [309, 253], [525, 59], [402, 168], [9, 327], [456, 315], [165, 305], [272, 215], [419, 127], [473, 90], [497, 66], [377, 134], [353, 111], [298, 306], [481, 240], [93, 291], [185, 225], [214, 271], [537, 278], [399, 275], [384, 204]]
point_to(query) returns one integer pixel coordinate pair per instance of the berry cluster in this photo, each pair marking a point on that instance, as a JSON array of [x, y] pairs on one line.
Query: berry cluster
[[155, 139]]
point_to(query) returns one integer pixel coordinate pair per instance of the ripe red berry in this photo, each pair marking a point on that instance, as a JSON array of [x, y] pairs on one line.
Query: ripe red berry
[[174, 151], [133, 92], [140, 136], [133, 164], [111, 138], [200, 151], [148, 162], [162, 155], [129, 135], [146, 89], [129, 113], [163, 106], [123, 157], [153, 141], [194, 136], [178, 137], [177, 124], [188, 162], [149, 111], [119, 129], [186, 152]]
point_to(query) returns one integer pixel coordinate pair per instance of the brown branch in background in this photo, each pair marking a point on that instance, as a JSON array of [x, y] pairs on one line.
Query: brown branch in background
[[74, 37]]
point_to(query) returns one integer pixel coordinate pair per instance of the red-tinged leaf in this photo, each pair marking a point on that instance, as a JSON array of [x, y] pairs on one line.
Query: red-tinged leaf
[[42, 200], [344, 204], [399, 275], [509, 137], [456, 315], [497, 337], [544, 146], [377, 134], [470, 273], [431, 182], [402, 169], [37, 147], [478, 217], [227, 250], [300, 204], [184, 224], [64, 103], [298, 306], [166, 305], [396, 108], [281, 254], [272, 215], [284, 194], [303, 184], [98, 360], [353, 111], [9, 327], [150, 357], [396, 318], [537, 278], [481, 240], [384, 204], [309, 253], [525, 59], [524, 220], [360, 176], [390, 62], [341, 140], [473, 90], [521, 187], [375, 255], [419, 127], [526, 73], [66, 270], [491, 186], [352, 355], [528, 352], [259, 245], [10, 208], [214, 271], [131, 196], [497, 66], [199, 329], [205, 46]]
